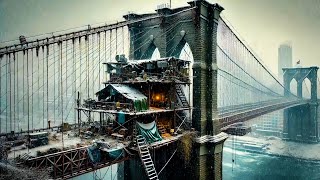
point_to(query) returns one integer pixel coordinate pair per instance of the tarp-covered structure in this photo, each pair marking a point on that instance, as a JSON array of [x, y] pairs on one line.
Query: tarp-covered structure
[[149, 131], [123, 93], [160, 68]]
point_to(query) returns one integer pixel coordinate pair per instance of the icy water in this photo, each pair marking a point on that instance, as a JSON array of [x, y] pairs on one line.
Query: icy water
[[255, 166], [246, 166]]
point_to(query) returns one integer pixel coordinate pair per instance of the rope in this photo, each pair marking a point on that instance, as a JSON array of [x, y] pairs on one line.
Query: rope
[[167, 162]]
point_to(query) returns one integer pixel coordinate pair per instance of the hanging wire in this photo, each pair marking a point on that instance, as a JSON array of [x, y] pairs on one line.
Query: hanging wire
[[47, 75], [87, 64], [7, 66], [99, 60], [43, 94], [61, 95], [10, 94], [14, 92], [0, 91], [74, 78]]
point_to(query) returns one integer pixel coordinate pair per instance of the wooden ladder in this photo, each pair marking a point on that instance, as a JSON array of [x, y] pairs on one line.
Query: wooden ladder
[[146, 158]]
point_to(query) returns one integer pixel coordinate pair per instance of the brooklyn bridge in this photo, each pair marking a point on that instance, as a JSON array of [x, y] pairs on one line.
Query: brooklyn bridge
[[184, 69]]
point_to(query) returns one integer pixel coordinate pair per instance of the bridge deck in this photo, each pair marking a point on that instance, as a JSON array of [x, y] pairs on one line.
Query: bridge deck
[[250, 112]]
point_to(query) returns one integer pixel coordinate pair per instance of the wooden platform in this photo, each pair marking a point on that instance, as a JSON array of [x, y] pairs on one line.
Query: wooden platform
[[152, 110]]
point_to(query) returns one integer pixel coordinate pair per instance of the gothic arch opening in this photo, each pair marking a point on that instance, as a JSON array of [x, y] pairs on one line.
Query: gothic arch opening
[[155, 54], [306, 88], [186, 54], [293, 87]]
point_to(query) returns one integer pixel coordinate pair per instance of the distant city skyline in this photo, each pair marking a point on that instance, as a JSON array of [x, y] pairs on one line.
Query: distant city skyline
[[264, 25], [284, 57]]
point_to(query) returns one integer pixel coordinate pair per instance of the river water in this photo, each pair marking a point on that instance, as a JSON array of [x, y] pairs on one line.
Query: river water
[[256, 166]]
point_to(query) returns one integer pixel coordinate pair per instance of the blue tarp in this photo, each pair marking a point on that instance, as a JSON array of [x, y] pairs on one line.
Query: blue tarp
[[121, 117], [94, 153], [149, 131]]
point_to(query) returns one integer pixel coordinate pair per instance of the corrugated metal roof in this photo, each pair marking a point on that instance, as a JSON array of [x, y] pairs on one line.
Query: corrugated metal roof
[[128, 91]]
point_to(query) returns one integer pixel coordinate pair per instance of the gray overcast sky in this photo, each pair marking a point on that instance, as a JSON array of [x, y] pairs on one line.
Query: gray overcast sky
[[263, 24]]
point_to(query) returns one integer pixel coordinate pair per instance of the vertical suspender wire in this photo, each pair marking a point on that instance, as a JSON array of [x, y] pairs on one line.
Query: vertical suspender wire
[[87, 64], [105, 55], [61, 93], [28, 97], [0, 89], [14, 92], [23, 85], [6, 93], [99, 62], [92, 62], [116, 41], [38, 93], [59, 79], [80, 63], [110, 45], [66, 75], [1, 58], [10, 94], [105, 45], [43, 101], [32, 90], [7, 59], [14, 96], [47, 69], [74, 79], [54, 84]]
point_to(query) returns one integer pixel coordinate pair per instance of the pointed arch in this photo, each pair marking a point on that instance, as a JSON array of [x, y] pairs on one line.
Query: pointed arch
[[186, 54], [294, 86], [306, 88], [155, 54]]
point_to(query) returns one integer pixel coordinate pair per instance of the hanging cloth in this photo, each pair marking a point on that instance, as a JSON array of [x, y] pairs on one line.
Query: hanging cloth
[[149, 131], [121, 117]]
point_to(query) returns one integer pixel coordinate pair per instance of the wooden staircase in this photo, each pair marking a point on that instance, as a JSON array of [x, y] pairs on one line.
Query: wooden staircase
[[146, 158], [181, 96], [161, 129]]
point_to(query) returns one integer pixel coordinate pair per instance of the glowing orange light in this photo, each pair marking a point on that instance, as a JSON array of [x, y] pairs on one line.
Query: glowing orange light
[[157, 97]]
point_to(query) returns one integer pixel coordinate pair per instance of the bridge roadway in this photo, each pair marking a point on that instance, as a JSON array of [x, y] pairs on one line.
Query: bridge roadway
[[239, 113]]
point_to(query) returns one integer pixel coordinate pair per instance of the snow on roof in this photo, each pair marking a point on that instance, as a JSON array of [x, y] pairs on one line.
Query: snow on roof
[[38, 133], [128, 91], [142, 61]]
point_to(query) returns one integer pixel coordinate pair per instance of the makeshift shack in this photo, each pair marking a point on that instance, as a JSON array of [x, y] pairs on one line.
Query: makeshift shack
[[123, 96]]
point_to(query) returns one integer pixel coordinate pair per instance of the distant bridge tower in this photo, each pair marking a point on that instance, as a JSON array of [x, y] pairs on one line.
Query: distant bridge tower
[[168, 31], [300, 122]]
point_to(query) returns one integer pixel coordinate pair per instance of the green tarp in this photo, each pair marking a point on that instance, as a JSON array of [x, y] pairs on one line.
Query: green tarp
[[141, 105], [149, 131]]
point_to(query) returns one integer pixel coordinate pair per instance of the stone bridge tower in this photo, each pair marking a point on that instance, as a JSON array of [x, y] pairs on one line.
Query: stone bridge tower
[[169, 30], [301, 122]]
